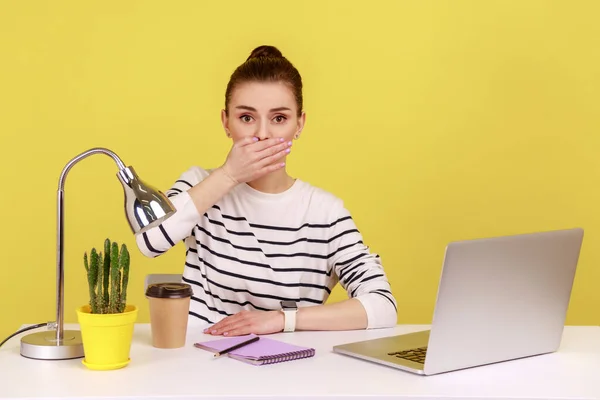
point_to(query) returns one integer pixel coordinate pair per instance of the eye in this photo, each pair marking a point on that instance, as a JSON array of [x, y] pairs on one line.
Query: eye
[[246, 118], [280, 118]]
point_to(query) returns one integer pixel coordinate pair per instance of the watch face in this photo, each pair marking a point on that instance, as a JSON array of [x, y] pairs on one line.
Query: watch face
[[289, 304]]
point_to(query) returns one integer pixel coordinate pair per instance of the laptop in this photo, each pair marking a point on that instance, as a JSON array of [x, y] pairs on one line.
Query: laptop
[[498, 299]]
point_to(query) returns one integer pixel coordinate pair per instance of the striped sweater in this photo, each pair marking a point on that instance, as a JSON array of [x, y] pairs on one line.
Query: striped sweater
[[253, 249]]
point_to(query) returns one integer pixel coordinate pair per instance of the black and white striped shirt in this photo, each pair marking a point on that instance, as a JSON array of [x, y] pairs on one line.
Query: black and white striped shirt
[[253, 249]]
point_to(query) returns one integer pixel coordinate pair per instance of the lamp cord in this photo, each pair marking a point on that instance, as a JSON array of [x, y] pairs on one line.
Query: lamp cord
[[24, 330]]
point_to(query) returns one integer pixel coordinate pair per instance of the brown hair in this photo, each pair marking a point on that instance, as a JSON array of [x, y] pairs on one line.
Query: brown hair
[[266, 64]]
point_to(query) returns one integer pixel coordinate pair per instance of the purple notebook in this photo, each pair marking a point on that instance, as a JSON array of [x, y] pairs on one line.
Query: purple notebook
[[263, 351]]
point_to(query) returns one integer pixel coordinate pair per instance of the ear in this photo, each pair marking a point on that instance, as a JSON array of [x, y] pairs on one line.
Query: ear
[[225, 122], [300, 127]]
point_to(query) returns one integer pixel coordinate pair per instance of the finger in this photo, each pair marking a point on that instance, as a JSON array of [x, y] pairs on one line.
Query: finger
[[226, 322], [213, 328], [239, 330], [272, 160], [247, 140], [224, 330], [267, 143], [217, 330], [221, 323], [270, 168], [274, 150]]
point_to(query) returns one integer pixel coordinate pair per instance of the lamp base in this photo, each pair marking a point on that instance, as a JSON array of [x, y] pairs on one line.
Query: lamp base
[[44, 346]]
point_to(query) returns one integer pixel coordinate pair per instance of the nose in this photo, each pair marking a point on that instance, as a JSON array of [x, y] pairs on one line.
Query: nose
[[263, 130]]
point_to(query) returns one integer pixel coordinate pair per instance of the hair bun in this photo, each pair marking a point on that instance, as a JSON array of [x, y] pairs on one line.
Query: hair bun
[[265, 51]]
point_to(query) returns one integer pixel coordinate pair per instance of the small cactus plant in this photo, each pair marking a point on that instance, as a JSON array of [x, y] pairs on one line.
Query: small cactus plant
[[108, 277]]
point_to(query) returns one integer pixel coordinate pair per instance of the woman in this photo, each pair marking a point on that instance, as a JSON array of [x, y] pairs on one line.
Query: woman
[[264, 250]]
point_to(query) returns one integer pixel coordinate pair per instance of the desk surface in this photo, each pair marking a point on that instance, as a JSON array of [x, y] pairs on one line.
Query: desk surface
[[190, 373]]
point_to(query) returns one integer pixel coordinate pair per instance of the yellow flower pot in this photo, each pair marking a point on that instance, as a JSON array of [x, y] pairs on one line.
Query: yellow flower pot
[[106, 337]]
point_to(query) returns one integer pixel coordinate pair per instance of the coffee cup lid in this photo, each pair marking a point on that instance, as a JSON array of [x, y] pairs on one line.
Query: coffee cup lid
[[169, 290]]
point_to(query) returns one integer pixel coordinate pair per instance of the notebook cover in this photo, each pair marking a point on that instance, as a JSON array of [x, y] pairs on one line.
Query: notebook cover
[[263, 351]]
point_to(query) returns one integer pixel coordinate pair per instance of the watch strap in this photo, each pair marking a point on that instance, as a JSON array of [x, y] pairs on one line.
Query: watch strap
[[289, 317]]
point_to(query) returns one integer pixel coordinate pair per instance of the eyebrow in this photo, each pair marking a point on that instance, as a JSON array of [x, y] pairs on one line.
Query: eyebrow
[[254, 109]]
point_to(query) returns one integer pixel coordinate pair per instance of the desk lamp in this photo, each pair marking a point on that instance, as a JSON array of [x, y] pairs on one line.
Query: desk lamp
[[145, 207]]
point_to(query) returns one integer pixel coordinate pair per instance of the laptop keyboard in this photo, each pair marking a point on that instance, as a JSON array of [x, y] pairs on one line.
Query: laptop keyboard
[[416, 355]]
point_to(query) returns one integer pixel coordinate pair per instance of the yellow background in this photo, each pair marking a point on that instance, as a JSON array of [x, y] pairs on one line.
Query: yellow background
[[433, 120]]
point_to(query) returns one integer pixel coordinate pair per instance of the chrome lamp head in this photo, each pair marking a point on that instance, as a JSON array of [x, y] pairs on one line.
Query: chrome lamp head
[[145, 208]]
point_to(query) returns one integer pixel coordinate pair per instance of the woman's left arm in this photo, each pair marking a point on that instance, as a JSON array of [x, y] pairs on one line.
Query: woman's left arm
[[371, 303]]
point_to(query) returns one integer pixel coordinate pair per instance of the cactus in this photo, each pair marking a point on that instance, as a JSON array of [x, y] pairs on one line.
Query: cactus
[[93, 279], [90, 281], [106, 271], [108, 276], [114, 277], [99, 284], [124, 265]]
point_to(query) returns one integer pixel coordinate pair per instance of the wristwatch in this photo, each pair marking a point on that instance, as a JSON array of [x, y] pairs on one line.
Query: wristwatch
[[289, 309]]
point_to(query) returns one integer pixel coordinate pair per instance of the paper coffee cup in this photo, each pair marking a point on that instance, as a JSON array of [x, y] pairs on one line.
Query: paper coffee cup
[[169, 309]]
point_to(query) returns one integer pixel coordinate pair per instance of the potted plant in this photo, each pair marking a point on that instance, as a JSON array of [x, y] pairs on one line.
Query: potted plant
[[107, 321]]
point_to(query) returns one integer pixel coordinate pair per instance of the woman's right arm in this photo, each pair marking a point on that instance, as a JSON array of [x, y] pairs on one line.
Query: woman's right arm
[[191, 201], [247, 160]]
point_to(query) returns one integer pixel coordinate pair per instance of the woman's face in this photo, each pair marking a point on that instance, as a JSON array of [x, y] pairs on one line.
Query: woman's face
[[264, 110]]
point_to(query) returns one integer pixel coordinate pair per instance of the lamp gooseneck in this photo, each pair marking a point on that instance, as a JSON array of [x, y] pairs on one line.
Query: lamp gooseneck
[[85, 154], [60, 287]]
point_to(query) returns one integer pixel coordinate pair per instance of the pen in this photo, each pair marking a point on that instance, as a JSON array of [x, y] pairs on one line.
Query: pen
[[237, 346]]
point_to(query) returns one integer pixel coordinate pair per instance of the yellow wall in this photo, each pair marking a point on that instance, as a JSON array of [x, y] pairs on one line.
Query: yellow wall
[[435, 121]]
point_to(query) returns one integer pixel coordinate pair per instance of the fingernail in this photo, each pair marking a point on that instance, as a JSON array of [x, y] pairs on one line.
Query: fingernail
[[225, 333], [255, 139], [281, 139], [282, 164], [287, 150], [289, 143]]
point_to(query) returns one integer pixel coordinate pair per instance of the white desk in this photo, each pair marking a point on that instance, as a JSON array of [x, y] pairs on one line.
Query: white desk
[[190, 373]]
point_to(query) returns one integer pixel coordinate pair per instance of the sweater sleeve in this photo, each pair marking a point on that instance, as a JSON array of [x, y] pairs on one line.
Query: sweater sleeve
[[360, 272], [158, 240]]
